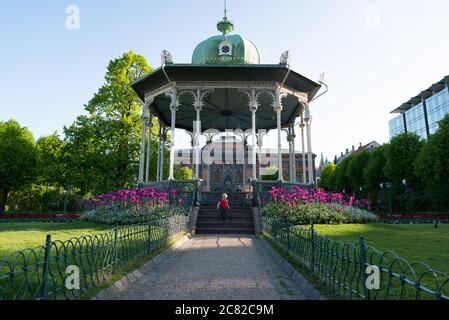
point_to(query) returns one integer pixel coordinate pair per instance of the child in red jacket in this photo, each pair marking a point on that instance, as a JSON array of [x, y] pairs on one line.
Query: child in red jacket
[[223, 206]]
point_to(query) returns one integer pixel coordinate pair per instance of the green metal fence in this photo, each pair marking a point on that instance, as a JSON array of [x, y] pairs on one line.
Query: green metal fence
[[342, 266], [40, 273]]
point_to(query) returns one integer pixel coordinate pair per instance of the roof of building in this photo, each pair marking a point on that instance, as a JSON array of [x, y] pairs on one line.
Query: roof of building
[[369, 146], [225, 48], [436, 87]]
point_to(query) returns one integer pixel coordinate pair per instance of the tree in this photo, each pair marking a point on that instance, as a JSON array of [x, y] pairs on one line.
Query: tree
[[18, 158], [432, 164], [401, 155], [271, 173], [341, 176], [327, 177], [355, 172], [102, 148], [183, 173], [50, 167], [374, 173]]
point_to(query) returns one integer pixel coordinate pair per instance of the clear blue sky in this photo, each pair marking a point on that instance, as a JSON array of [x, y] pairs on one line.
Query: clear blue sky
[[376, 54]]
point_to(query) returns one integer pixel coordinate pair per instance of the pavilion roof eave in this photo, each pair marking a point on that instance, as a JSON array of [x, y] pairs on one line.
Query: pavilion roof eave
[[225, 73]]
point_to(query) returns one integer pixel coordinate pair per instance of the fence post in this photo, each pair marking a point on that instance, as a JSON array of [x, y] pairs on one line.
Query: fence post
[[46, 268], [115, 247], [288, 239], [363, 266], [149, 235], [312, 239]]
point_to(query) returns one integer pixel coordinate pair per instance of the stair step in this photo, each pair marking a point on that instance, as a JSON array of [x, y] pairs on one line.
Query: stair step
[[230, 211], [224, 231], [230, 214], [217, 219], [224, 225]]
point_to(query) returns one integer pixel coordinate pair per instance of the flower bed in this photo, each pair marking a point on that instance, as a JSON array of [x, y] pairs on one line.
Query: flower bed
[[301, 206], [134, 206]]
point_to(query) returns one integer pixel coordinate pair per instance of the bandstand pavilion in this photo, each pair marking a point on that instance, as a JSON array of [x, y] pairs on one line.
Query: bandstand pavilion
[[226, 88]]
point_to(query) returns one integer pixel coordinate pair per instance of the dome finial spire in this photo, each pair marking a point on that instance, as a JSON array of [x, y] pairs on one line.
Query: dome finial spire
[[225, 9], [225, 26]]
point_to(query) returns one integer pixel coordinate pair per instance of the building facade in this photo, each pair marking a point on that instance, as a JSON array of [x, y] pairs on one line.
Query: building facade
[[232, 171], [370, 146], [422, 113]]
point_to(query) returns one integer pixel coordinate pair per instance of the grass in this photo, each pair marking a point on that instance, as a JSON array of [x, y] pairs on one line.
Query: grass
[[19, 236], [415, 243], [97, 259]]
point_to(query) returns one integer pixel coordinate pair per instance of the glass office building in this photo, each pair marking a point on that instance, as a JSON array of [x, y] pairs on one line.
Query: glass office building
[[422, 113], [437, 108]]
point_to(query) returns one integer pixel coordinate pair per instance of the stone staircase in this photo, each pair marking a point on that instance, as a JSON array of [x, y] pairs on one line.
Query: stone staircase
[[240, 221]]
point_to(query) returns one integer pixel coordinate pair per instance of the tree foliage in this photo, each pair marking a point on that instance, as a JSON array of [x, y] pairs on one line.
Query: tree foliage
[[401, 154], [356, 167], [183, 173], [50, 166], [432, 164], [18, 159], [327, 177], [341, 177], [102, 148], [374, 173]]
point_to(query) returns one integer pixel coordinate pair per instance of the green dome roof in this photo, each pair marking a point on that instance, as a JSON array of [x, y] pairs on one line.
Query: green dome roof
[[226, 49], [242, 51]]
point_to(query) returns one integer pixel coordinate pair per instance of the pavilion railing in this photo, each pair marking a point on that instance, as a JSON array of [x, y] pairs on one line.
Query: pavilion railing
[[40, 273], [236, 199], [342, 267], [189, 191]]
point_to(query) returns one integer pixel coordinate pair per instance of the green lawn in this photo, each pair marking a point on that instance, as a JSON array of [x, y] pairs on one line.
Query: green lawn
[[18, 236], [416, 243]]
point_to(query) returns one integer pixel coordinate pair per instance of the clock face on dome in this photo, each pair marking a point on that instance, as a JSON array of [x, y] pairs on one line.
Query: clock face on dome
[[225, 48]]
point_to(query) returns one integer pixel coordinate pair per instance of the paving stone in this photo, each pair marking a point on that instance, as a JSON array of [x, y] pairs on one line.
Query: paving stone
[[214, 268]]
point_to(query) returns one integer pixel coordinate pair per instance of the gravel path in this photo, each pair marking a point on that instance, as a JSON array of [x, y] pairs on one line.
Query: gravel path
[[215, 268]]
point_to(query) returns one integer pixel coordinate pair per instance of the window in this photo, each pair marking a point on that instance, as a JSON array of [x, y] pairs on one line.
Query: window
[[437, 108], [396, 126], [415, 120]]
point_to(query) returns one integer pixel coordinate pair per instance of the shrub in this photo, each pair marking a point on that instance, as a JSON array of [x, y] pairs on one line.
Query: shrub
[[134, 206], [301, 206]]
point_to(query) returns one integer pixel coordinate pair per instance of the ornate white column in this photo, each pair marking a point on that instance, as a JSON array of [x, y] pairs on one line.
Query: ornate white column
[[260, 146], [142, 143], [159, 142], [253, 106], [278, 109], [163, 138], [293, 153], [303, 145], [198, 104], [308, 121], [147, 171], [245, 145], [174, 105], [291, 140], [209, 138]]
